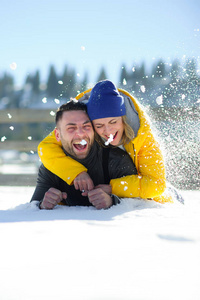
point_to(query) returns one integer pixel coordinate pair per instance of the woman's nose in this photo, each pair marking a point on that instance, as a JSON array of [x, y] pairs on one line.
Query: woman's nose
[[108, 130]]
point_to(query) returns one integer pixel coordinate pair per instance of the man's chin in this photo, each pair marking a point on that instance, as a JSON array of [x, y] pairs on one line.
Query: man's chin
[[80, 155]]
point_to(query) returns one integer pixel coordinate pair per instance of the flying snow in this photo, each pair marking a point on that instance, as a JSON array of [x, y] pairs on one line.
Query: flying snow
[[44, 100], [159, 100], [3, 138], [13, 66], [40, 151], [124, 82], [57, 101], [52, 113]]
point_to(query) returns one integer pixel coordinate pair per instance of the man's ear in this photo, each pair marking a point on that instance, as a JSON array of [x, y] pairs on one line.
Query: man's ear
[[57, 134]]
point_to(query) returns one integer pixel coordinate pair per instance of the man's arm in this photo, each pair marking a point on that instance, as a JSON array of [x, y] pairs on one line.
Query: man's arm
[[46, 192], [51, 198], [120, 164], [44, 182], [55, 160]]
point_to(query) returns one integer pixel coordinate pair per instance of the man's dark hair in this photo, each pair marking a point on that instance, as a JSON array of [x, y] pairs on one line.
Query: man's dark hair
[[73, 104]]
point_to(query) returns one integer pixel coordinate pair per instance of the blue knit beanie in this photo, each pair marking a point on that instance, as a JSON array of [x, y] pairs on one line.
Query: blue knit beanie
[[105, 101]]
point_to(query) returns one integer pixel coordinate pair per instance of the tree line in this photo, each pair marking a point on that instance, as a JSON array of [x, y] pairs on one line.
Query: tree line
[[174, 84]]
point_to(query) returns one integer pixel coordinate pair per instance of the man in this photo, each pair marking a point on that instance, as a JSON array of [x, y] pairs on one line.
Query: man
[[75, 132]]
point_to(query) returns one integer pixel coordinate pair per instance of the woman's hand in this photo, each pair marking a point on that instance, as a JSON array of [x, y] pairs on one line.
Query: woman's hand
[[105, 187], [83, 182]]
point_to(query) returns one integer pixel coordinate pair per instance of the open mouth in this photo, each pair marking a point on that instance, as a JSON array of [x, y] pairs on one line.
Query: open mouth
[[80, 145]]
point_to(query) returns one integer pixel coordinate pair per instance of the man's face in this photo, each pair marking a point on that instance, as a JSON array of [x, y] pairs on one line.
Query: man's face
[[76, 133]]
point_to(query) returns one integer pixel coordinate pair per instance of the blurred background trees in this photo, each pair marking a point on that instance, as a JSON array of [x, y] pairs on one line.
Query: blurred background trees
[[179, 85]]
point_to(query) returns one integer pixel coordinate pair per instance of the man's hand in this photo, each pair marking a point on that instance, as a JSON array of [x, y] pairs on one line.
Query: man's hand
[[105, 187], [83, 182], [51, 198], [99, 198]]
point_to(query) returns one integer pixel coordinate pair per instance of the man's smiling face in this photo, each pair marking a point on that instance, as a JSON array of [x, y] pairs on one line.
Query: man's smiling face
[[76, 133]]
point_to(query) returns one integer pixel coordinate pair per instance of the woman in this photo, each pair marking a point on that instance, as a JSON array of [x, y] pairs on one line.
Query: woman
[[119, 121]]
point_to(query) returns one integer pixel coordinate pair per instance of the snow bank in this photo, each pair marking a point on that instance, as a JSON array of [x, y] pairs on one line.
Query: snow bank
[[136, 250]]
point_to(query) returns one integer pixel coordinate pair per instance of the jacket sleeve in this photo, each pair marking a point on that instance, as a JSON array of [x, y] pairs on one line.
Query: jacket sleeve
[[55, 160], [120, 164], [150, 181], [44, 183]]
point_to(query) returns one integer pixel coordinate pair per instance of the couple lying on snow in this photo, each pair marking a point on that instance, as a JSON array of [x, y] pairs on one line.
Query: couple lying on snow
[[105, 171]]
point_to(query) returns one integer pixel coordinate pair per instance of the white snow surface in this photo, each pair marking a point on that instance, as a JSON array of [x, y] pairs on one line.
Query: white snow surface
[[137, 250]]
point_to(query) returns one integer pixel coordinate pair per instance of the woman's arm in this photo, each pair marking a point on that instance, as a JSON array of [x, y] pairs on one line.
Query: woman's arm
[[56, 161], [150, 181]]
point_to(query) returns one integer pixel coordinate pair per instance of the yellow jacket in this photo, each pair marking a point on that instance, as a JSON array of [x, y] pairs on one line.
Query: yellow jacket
[[150, 183]]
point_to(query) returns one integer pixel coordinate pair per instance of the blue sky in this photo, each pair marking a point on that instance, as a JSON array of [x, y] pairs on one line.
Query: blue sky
[[87, 35]]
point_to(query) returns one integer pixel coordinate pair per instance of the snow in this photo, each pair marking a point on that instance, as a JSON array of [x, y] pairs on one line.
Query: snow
[[110, 139], [159, 100], [83, 142], [143, 88], [137, 250]]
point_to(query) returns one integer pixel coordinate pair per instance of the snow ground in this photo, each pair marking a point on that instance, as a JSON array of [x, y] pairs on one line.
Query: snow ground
[[138, 250]]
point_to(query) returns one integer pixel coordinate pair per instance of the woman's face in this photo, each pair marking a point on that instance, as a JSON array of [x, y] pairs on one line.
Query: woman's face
[[110, 126]]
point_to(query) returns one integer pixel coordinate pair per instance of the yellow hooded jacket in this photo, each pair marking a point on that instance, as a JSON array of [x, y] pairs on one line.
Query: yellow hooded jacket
[[150, 183]]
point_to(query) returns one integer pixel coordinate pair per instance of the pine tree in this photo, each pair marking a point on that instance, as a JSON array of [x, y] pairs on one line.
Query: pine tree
[[52, 83], [159, 70], [84, 82], [174, 73], [36, 82], [69, 83], [191, 82], [7, 90], [124, 76], [102, 75]]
